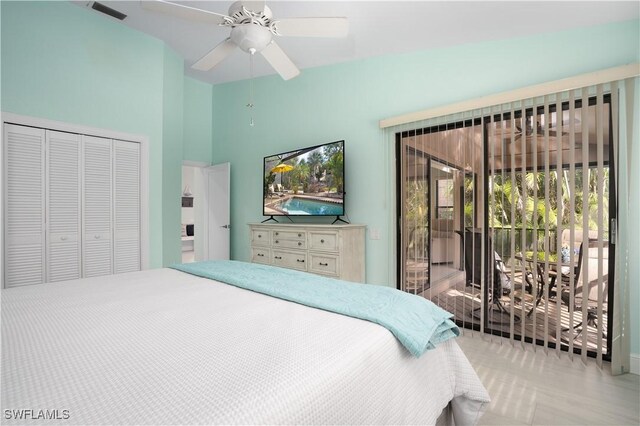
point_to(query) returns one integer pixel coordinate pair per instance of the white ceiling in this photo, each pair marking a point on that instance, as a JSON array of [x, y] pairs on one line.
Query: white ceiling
[[375, 28]]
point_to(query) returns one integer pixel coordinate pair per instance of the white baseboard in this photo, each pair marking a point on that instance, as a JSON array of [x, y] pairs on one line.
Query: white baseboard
[[635, 363]]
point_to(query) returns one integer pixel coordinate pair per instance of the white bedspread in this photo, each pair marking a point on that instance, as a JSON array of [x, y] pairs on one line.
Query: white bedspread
[[165, 347]]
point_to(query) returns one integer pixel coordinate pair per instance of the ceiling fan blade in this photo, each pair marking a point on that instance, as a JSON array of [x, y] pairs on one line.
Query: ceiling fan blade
[[280, 61], [312, 27], [215, 56], [184, 12]]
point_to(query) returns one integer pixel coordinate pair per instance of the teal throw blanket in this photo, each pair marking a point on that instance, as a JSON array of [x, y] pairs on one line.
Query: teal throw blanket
[[416, 322]]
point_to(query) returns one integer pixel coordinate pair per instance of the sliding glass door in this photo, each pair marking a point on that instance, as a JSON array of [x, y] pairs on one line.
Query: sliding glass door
[[505, 220]]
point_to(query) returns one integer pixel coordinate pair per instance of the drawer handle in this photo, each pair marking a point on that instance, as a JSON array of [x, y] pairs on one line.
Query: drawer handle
[[300, 260], [277, 241], [299, 235], [324, 264], [277, 233], [97, 237], [299, 243], [260, 254], [278, 257], [322, 241], [64, 238], [259, 235]]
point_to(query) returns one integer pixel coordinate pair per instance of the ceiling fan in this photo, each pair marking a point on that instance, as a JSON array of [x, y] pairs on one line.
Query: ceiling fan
[[528, 129], [252, 30]]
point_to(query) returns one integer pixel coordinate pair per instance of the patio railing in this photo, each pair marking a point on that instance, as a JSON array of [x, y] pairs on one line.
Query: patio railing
[[502, 240]]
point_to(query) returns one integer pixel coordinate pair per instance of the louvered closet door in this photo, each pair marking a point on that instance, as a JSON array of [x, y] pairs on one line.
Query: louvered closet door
[[96, 209], [126, 166], [25, 202], [63, 206]]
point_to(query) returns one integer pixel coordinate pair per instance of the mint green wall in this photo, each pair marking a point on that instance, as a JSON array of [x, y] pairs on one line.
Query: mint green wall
[[345, 101], [67, 63], [172, 134], [197, 120]]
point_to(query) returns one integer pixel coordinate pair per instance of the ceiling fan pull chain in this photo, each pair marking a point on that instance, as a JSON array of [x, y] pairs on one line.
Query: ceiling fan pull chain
[[250, 104]]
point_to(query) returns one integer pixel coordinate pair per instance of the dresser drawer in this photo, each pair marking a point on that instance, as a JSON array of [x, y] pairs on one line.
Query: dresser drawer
[[260, 237], [291, 260], [324, 264], [324, 241], [297, 244], [297, 235], [260, 255]]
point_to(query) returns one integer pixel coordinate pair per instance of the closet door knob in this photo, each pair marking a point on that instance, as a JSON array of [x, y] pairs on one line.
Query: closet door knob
[[97, 237], [64, 238]]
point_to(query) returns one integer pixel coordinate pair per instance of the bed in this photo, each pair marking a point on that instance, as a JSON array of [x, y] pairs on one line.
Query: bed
[[167, 347]]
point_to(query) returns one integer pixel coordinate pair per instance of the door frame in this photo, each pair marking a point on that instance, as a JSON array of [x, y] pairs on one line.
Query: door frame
[[44, 123]]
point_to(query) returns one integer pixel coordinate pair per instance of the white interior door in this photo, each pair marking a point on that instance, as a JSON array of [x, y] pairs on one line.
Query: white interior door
[[126, 209], [25, 204], [97, 203], [218, 211], [63, 206]]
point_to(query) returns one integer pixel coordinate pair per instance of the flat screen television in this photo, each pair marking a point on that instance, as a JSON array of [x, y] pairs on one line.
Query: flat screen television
[[305, 182]]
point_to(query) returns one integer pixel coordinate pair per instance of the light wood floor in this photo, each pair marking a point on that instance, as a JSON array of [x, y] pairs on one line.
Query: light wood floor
[[529, 387]]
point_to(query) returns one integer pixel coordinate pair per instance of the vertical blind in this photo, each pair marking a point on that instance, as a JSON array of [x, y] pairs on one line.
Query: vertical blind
[[530, 249]]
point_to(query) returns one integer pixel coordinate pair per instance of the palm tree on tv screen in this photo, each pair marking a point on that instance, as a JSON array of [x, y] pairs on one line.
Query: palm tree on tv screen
[[335, 167], [315, 162]]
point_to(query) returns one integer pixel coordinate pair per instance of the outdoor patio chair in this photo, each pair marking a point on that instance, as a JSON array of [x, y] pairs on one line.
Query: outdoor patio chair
[[496, 274], [565, 276], [590, 257], [535, 278], [575, 245]]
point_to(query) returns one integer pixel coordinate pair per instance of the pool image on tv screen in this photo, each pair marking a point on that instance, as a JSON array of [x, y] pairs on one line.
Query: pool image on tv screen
[[305, 182]]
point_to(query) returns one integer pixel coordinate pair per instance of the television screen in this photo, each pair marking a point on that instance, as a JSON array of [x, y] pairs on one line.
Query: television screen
[[305, 182]]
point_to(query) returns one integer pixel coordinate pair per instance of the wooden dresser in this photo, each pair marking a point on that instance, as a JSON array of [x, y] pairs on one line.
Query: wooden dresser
[[335, 251]]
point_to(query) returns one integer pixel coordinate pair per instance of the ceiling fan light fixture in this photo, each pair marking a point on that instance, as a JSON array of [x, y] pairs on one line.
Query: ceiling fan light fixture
[[251, 37], [252, 30]]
